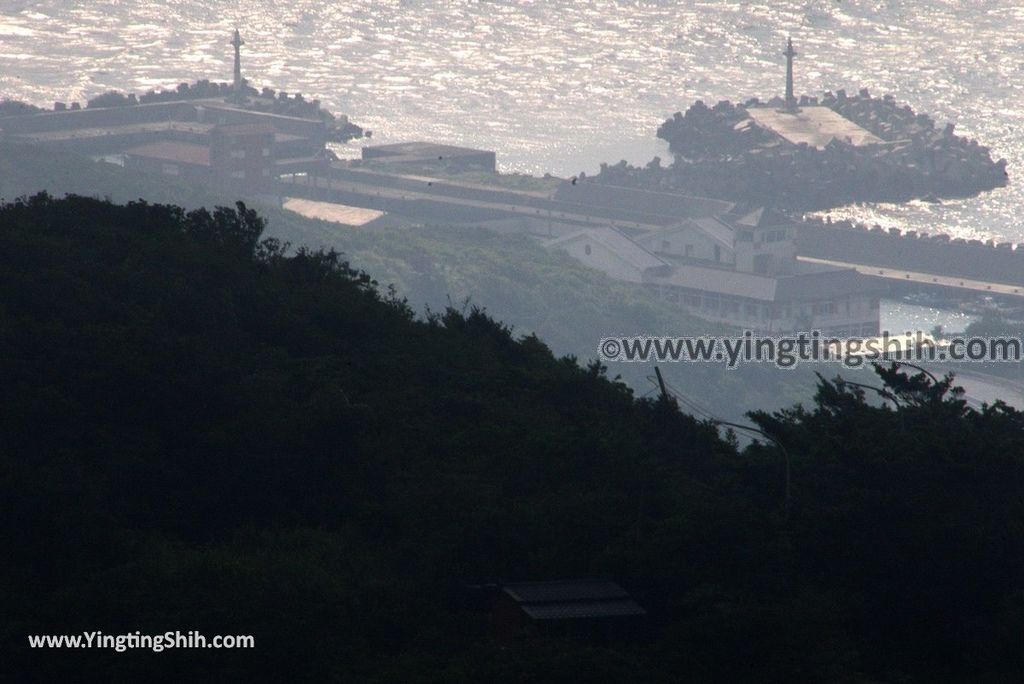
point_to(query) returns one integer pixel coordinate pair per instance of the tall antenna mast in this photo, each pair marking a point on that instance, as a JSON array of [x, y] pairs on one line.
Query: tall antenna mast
[[790, 53], [239, 85]]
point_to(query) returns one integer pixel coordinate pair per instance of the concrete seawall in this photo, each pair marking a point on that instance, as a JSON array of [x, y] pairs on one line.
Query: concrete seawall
[[912, 252]]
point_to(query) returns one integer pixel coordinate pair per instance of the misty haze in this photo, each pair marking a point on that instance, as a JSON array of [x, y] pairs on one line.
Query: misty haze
[[512, 341]]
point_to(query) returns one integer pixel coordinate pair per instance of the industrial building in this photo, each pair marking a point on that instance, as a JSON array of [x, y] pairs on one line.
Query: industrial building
[[212, 140]]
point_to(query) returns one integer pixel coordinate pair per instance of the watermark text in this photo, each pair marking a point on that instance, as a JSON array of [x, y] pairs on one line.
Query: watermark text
[[788, 351]]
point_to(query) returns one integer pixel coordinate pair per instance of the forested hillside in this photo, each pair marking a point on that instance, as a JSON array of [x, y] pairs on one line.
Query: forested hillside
[[513, 277], [199, 430]]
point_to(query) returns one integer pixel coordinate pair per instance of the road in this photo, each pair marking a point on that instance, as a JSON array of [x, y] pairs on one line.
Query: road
[[528, 207], [987, 388]]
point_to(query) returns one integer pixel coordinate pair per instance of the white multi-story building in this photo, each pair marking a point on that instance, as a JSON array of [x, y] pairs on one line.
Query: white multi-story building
[[738, 268]]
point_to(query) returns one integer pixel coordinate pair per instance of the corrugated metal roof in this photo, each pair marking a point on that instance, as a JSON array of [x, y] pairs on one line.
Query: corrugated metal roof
[[821, 284], [583, 609], [573, 590], [723, 281], [572, 599], [835, 283]]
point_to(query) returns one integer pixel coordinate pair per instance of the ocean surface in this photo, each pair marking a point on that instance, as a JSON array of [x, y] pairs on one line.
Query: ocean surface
[[553, 85]]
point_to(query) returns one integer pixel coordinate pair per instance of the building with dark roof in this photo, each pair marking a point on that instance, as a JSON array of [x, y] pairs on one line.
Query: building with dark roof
[[232, 144], [239, 157], [245, 151], [839, 302], [590, 608]]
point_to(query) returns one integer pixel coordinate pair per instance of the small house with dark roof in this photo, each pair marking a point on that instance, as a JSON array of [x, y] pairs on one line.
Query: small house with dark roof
[[589, 608]]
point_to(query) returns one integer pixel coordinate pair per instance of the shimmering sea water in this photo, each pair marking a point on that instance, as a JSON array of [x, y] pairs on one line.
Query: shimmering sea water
[[553, 85]]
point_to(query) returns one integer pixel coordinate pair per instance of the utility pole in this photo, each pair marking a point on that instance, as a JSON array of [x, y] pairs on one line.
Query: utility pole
[[661, 383]]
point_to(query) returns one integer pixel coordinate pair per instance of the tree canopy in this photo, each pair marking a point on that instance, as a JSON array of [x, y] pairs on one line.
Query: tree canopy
[[201, 429]]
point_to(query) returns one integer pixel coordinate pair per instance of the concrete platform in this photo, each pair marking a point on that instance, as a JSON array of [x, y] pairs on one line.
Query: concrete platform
[[816, 126], [331, 211]]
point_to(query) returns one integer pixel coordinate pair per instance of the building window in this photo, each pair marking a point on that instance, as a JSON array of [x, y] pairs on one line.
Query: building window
[[586, 250], [665, 244], [266, 173], [266, 151], [238, 154], [171, 170], [689, 250], [762, 263], [238, 174]]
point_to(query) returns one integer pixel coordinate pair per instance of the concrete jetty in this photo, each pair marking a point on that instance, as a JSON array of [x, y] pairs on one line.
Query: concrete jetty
[[913, 258], [812, 153]]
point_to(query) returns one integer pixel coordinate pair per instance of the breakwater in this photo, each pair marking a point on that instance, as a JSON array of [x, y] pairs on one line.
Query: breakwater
[[266, 101], [936, 254], [727, 151]]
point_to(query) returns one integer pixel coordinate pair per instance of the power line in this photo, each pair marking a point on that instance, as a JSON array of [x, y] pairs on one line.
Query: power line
[[679, 396]]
